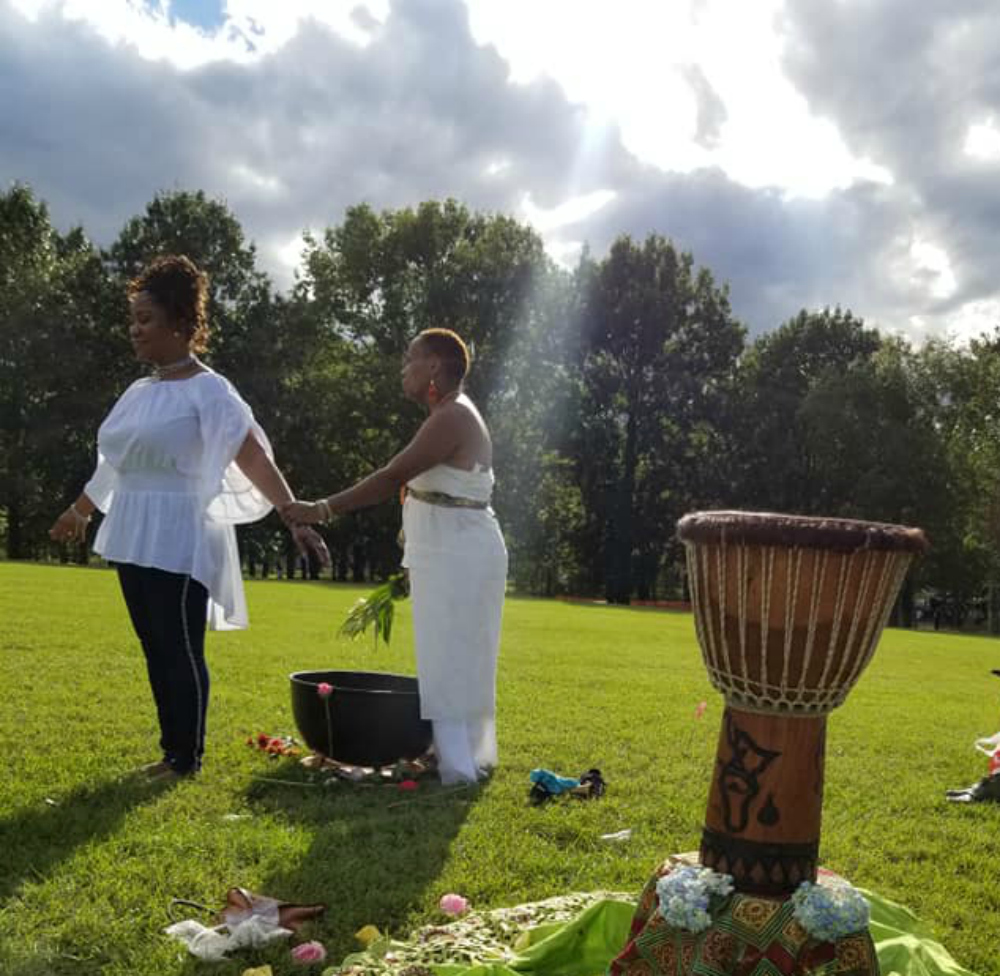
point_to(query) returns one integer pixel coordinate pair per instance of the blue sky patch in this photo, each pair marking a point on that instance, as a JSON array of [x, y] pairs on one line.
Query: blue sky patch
[[205, 14]]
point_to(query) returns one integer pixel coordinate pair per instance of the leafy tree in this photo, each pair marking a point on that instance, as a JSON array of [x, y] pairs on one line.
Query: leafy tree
[[659, 345], [619, 396], [57, 366], [776, 470], [962, 384], [877, 453]]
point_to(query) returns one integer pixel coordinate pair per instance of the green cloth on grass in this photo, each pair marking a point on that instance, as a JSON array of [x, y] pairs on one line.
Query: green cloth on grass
[[904, 943]]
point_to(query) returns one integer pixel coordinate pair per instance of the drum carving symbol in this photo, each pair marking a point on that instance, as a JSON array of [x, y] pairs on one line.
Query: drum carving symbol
[[740, 776]]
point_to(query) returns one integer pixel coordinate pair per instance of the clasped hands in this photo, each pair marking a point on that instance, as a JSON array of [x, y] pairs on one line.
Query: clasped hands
[[305, 513], [297, 517]]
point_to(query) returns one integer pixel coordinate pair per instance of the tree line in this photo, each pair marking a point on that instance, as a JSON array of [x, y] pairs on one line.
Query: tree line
[[620, 394]]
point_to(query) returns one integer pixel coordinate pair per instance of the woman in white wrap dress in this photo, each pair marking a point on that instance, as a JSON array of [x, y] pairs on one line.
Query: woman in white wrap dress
[[180, 461], [454, 552]]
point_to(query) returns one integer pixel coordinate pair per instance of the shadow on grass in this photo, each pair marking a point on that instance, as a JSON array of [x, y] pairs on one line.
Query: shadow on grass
[[374, 852], [632, 607], [35, 840]]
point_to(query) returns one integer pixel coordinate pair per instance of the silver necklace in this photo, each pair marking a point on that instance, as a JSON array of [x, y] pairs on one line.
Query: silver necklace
[[169, 368]]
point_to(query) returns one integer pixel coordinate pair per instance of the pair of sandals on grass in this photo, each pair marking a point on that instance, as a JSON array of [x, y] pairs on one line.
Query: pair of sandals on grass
[[545, 785]]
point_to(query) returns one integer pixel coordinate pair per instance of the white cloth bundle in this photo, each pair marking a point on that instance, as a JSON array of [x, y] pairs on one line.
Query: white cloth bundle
[[212, 944]]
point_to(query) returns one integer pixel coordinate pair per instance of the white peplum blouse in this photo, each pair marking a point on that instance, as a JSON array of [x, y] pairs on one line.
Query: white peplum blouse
[[170, 490]]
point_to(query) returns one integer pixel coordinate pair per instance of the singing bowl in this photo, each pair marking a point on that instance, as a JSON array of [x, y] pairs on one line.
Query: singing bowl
[[371, 718]]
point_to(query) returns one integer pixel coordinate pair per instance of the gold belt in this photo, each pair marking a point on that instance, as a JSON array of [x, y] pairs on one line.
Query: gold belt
[[445, 500]]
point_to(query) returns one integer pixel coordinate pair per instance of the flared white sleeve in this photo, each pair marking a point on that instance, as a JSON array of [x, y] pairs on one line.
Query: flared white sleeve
[[101, 487], [226, 420]]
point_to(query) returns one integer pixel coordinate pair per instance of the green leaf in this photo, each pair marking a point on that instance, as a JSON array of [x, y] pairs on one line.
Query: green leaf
[[376, 611]]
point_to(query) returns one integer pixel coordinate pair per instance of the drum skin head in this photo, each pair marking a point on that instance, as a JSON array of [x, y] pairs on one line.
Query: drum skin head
[[799, 531]]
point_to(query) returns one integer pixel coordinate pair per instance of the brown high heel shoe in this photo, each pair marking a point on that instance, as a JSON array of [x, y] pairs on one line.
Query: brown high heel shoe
[[241, 904]]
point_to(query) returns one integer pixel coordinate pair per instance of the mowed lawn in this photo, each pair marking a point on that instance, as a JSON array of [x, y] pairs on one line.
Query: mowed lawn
[[90, 858]]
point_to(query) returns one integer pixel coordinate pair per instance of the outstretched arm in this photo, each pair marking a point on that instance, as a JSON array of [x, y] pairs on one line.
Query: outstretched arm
[[255, 463], [434, 443]]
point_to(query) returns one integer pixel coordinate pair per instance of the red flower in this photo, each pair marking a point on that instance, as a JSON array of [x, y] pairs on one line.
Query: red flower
[[408, 784], [324, 690]]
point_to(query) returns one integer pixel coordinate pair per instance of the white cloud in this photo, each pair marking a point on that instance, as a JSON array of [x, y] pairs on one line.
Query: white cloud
[[630, 62], [746, 132], [565, 253], [285, 258], [982, 141], [572, 211], [251, 29], [256, 181], [932, 269], [974, 319]]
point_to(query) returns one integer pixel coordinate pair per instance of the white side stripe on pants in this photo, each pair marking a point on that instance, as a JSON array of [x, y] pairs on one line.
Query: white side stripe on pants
[[194, 670]]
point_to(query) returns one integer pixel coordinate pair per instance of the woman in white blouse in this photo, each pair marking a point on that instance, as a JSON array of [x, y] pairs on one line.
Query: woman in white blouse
[[181, 460]]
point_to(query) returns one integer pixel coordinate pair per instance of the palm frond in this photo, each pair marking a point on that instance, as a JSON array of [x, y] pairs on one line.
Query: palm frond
[[376, 610]]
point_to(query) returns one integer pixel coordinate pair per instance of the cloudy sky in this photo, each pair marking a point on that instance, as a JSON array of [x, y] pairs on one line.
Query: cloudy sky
[[809, 152]]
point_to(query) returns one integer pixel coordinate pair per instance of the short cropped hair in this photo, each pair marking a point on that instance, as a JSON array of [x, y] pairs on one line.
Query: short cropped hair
[[449, 348], [176, 285]]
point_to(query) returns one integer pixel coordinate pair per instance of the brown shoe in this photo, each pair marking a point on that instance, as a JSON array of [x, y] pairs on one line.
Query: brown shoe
[[161, 772], [241, 904]]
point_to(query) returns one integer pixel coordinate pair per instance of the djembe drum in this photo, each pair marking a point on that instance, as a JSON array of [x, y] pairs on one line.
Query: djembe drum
[[788, 611]]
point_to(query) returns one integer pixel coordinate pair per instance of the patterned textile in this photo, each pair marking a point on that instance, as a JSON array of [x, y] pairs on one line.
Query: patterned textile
[[750, 935]]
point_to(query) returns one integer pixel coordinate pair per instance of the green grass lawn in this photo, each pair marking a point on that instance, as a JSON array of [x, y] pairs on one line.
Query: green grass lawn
[[90, 859]]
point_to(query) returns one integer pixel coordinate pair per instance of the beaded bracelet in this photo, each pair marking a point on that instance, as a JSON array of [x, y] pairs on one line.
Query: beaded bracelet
[[78, 515]]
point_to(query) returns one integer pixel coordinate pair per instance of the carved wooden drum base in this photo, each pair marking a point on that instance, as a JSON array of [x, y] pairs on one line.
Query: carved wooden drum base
[[762, 824]]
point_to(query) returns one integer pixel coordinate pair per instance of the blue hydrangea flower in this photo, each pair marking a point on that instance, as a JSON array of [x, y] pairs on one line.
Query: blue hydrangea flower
[[830, 913], [686, 896]]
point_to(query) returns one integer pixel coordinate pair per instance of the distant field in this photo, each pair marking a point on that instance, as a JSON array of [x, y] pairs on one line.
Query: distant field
[[89, 859]]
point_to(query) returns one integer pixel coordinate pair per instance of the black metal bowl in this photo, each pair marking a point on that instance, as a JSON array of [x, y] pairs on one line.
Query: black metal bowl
[[369, 719]]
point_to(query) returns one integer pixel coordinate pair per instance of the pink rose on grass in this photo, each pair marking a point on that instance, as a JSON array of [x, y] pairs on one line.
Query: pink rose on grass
[[452, 904], [309, 952], [324, 690], [700, 708]]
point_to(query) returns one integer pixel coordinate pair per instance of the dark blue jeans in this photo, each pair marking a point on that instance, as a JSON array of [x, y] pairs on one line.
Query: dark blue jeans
[[169, 612]]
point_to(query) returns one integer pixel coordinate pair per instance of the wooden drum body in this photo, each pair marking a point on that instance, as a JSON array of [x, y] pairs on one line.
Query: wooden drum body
[[788, 612]]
